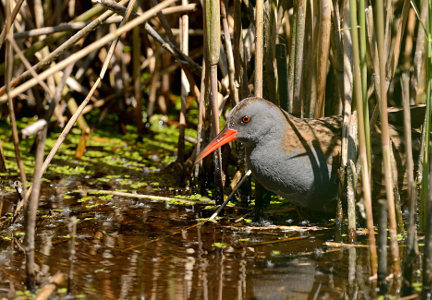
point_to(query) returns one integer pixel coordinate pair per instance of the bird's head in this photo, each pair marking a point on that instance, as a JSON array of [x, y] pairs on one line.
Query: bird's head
[[250, 121]]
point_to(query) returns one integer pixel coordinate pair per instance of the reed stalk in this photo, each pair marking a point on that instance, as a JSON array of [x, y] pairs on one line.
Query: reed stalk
[[362, 137], [410, 253], [385, 139], [259, 50], [323, 55], [427, 177], [363, 70], [382, 248], [297, 108], [185, 89], [30, 216], [233, 83], [212, 46]]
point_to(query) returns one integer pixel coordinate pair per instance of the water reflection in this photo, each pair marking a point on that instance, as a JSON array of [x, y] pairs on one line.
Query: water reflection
[[143, 252], [292, 280]]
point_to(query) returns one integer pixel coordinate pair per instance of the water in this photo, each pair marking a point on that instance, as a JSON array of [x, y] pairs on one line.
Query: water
[[142, 249]]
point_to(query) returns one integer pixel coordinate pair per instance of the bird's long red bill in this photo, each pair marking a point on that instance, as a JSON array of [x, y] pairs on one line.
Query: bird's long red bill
[[225, 136]]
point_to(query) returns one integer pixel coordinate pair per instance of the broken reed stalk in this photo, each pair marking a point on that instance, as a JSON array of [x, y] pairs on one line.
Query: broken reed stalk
[[185, 88], [410, 253], [31, 208], [297, 108], [385, 139], [8, 77], [115, 35], [362, 138]]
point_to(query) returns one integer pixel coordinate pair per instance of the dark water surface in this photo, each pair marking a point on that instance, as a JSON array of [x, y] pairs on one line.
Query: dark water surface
[[142, 249]]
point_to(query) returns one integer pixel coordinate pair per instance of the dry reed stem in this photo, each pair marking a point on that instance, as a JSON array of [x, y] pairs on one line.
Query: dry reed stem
[[234, 87], [29, 67], [385, 140], [90, 48], [323, 54], [166, 44], [31, 208], [63, 47], [259, 48], [165, 24], [185, 89], [60, 28], [8, 76], [412, 192], [297, 108], [136, 79], [8, 26], [398, 40], [362, 137]]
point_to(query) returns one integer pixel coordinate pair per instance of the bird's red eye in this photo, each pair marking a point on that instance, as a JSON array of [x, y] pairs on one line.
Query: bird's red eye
[[245, 119]]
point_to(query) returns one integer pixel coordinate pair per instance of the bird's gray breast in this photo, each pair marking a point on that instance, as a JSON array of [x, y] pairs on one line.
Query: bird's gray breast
[[302, 177]]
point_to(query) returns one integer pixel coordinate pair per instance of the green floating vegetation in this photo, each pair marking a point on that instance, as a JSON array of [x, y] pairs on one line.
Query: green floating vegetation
[[244, 240], [210, 207], [200, 198], [220, 245], [106, 197], [85, 199], [92, 206], [180, 202]]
